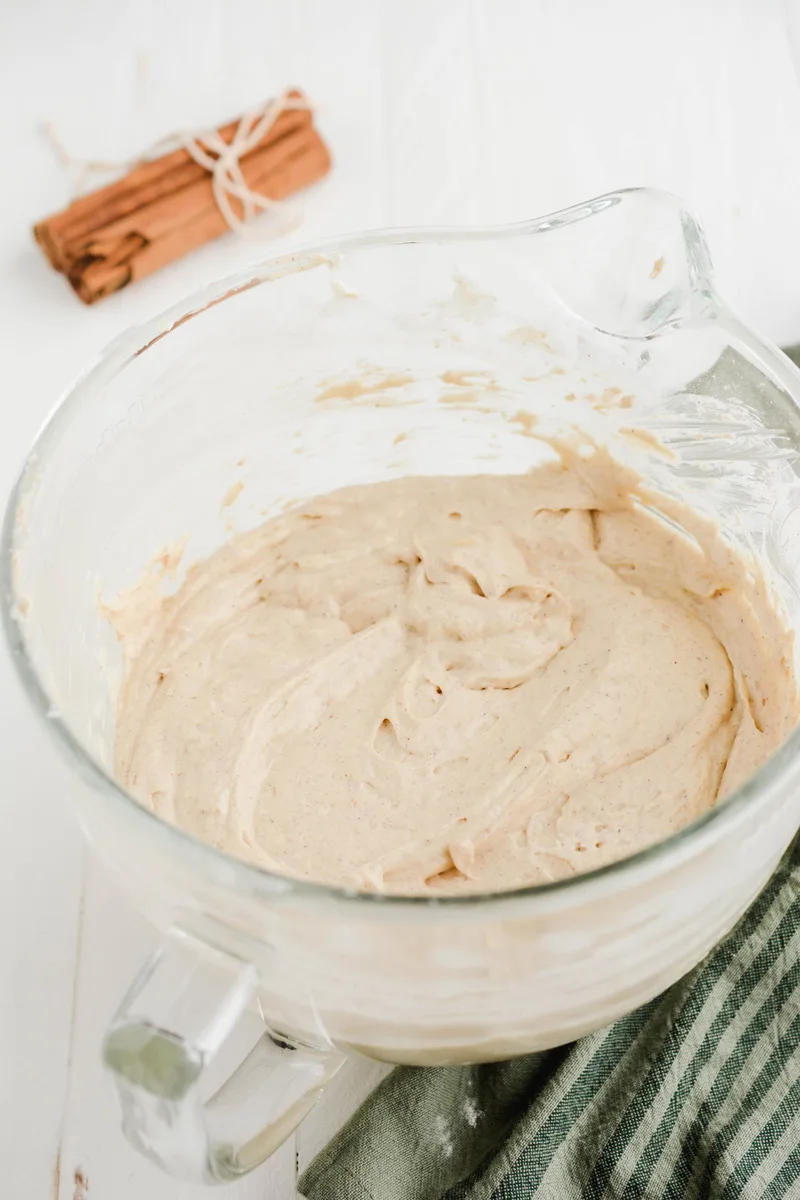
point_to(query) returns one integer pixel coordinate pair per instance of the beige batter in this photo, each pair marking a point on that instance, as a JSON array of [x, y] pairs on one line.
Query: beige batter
[[454, 684]]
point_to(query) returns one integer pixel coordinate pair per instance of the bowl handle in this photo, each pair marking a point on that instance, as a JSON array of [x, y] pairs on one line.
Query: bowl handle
[[185, 1002]]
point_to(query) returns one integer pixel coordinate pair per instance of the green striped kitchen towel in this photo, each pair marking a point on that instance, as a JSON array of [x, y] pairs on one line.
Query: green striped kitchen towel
[[696, 1096]]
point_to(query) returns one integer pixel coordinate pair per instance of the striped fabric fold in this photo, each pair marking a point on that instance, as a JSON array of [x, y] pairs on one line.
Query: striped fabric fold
[[696, 1096]]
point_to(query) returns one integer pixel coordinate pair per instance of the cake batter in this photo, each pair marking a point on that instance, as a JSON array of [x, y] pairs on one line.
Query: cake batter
[[452, 685]]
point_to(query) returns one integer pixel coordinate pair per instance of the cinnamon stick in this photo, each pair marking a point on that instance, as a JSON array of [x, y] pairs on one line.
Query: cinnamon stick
[[163, 209]]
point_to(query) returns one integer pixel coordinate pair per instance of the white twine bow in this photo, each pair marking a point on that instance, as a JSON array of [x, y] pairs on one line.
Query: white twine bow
[[221, 159]]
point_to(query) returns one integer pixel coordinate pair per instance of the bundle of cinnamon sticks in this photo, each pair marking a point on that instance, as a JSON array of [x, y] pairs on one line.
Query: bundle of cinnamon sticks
[[164, 208]]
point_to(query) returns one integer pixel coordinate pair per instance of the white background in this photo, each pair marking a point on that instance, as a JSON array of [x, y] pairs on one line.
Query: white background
[[436, 111]]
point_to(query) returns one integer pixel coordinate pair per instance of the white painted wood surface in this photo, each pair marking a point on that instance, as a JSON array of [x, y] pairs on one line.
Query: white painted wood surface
[[453, 111]]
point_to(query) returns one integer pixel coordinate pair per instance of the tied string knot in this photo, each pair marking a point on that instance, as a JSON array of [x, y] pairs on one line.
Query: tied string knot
[[222, 160]]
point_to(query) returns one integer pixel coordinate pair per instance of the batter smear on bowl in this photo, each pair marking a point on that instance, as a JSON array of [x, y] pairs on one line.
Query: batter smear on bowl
[[455, 684]]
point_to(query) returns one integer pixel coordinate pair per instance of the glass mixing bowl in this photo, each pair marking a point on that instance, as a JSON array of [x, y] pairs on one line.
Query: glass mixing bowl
[[386, 354]]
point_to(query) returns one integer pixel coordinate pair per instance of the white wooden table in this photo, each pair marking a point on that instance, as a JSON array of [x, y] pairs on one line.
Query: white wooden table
[[451, 111]]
